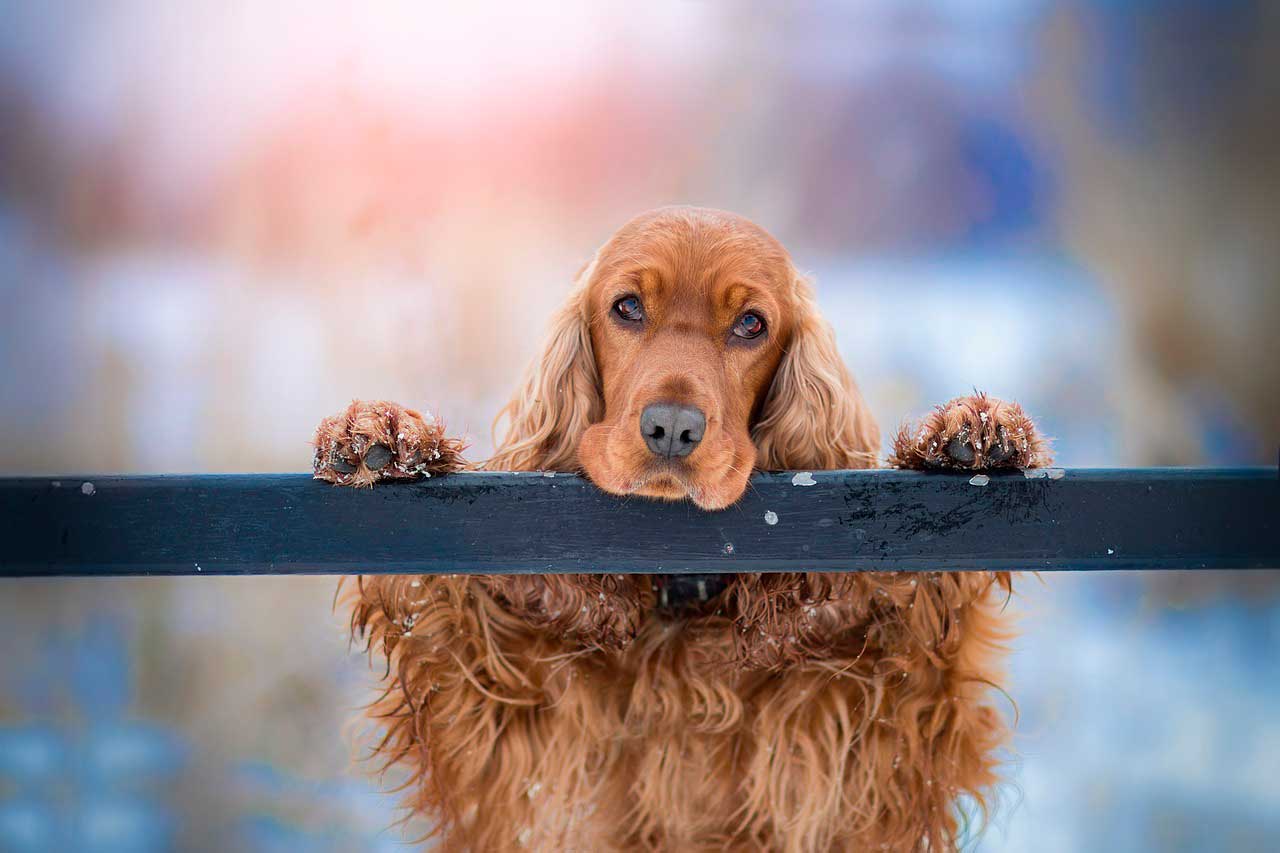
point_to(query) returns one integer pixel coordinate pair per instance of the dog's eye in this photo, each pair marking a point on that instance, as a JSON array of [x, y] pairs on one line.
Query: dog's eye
[[749, 326], [629, 308]]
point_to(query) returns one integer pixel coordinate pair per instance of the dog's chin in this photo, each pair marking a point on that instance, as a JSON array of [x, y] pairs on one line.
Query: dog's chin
[[665, 486], [676, 482]]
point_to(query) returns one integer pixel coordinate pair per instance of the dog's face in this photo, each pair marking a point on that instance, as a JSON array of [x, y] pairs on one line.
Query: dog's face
[[688, 319], [690, 353]]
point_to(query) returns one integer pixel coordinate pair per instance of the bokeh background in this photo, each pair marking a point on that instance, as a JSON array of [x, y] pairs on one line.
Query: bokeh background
[[221, 221]]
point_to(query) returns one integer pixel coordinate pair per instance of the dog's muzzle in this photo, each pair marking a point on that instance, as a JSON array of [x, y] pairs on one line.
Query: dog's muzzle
[[689, 594]]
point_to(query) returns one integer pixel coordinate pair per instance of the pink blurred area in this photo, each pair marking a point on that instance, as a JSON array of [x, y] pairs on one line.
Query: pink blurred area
[[270, 212]]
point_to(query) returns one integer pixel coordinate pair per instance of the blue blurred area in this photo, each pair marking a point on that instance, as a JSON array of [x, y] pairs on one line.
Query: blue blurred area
[[80, 774], [1141, 727], [264, 830], [1017, 183]]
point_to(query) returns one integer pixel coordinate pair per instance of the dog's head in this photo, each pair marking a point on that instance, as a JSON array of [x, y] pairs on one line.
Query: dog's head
[[690, 353]]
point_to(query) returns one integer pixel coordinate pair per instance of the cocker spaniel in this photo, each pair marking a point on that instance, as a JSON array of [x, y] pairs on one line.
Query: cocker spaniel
[[794, 711]]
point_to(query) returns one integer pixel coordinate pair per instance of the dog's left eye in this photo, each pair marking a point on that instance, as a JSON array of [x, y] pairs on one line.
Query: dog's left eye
[[629, 308], [749, 326]]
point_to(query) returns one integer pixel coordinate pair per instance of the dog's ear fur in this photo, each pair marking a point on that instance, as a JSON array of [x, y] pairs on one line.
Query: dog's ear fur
[[558, 398], [813, 416]]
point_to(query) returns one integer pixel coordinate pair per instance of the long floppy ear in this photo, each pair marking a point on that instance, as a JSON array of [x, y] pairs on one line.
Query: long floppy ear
[[813, 416], [558, 398]]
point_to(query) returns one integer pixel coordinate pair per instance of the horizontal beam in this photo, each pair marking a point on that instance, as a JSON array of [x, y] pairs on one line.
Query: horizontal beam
[[490, 522]]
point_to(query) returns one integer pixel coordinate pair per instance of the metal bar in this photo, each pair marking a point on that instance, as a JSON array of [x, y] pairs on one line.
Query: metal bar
[[488, 522]]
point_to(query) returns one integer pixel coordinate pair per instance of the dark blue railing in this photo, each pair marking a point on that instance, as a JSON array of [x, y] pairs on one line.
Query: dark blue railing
[[1052, 519]]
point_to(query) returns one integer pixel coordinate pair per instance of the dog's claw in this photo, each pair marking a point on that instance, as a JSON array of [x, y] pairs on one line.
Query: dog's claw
[[377, 457]]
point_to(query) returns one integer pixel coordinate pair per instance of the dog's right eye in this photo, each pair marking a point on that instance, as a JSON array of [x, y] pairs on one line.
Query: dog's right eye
[[629, 308]]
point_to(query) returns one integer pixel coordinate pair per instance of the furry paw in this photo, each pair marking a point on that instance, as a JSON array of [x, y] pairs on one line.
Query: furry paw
[[974, 432], [374, 441]]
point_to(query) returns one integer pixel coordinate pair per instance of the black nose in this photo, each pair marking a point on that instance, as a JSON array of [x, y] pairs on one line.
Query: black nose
[[671, 430]]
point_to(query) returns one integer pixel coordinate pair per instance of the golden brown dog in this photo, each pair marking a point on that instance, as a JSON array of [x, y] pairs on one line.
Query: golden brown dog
[[788, 712]]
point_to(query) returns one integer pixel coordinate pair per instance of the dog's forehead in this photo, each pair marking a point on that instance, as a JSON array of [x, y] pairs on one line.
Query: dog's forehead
[[693, 253]]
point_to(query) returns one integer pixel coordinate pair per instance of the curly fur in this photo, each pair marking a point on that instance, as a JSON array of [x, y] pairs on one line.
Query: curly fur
[[810, 711], [815, 712]]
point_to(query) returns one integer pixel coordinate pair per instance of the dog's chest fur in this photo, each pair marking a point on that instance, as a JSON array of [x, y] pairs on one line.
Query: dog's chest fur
[[672, 747], [522, 735]]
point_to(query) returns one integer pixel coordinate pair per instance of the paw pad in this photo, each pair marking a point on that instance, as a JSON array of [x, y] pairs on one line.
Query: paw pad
[[960, 450], [377, 457]]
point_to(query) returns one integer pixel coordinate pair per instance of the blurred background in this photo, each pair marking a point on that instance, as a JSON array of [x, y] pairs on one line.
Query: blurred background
[[221, 221]]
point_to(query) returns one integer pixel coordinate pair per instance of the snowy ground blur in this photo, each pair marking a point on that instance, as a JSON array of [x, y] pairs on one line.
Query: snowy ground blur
[[220, 223]]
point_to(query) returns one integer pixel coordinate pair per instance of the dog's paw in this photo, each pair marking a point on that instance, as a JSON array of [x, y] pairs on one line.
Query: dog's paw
[[974, 432], [374, 441]]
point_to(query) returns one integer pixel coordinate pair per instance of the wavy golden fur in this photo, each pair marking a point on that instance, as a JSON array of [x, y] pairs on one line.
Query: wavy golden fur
[[806, 712]]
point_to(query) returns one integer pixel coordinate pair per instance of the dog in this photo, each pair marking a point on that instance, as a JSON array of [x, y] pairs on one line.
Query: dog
[[792, 711]]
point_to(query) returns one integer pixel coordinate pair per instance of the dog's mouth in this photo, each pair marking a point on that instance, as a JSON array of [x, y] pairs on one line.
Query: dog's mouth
[[689, 594]]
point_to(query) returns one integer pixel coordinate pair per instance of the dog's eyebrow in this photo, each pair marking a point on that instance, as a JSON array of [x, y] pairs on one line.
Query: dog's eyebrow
[[741, 294], [642, 279]]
